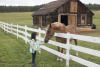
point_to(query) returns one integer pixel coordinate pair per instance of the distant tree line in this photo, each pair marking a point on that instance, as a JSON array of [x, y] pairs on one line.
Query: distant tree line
[[93, 6], [19, 8], [34, 8]]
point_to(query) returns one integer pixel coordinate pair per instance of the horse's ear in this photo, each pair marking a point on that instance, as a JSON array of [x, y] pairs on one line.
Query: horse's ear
[[50, 25]]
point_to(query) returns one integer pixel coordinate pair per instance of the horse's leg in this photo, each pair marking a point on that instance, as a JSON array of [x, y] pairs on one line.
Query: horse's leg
[[58, 58], [76, 45], [62, 51]]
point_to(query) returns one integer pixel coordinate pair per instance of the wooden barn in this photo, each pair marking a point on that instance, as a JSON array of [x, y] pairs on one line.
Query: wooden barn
[[68, 12]]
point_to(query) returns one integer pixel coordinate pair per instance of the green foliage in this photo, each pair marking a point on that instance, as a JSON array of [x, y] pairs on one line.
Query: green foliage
[[93, 6], [34, 8], [19, 8]]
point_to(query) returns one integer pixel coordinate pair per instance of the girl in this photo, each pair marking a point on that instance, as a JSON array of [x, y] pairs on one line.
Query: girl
[[34, 46]]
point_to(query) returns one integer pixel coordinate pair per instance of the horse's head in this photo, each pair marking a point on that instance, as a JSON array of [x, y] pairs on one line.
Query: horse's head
[[49, 33], [52, 28]]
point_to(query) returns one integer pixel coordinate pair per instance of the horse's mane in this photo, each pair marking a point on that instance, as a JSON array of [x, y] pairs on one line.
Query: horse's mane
[[62, 28]]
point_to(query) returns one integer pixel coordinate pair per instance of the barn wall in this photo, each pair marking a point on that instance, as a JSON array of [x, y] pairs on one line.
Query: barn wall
[[48, 19], [72, 19], [43, 20], [36, 20], [73, 6], [89, 21], [81, 8], [65, 8], [78, 19], [55, 18], [61, 10]]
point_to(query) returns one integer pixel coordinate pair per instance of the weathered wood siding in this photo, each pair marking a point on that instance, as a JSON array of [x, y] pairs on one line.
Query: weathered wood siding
[[79, 19], [83, 10], [74, 9], [72, 19], [89, 21], [36, 20], [73, 6], [64, 8]]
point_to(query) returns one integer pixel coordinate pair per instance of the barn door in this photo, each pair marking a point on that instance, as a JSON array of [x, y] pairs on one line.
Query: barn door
[[40, 21], [64, 19], [83, 19], [72, 19]]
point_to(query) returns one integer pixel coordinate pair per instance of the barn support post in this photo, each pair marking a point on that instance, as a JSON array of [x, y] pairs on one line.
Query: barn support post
[[59, 18], [26, 34], [68, 50], [39, 30], [40, 21], [17, 31]]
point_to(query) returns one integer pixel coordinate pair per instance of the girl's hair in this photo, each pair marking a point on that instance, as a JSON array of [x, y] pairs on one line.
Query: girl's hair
[[33, 35]]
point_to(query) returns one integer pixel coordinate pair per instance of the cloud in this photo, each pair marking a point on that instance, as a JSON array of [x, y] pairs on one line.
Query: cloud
[[91, 1], [36, 2]]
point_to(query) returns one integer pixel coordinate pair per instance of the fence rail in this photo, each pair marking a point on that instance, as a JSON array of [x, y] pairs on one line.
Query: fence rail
[[24, 34]]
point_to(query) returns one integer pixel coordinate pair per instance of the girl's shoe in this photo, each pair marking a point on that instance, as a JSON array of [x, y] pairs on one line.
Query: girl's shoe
[[33, 65]]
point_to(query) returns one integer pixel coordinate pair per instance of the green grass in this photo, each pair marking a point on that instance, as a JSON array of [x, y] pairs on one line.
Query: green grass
[[15, 53], [21, 18], [96, 19]]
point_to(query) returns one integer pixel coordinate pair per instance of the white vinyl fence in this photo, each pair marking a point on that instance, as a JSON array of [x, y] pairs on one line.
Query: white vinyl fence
[[15, 30]]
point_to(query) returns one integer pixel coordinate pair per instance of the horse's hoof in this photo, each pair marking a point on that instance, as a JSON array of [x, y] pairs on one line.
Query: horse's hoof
[[76, 53], [58, 59], [61, 60]]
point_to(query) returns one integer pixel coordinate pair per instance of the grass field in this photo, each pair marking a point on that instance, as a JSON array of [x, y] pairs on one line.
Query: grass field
[[15, 53], [22, 18]]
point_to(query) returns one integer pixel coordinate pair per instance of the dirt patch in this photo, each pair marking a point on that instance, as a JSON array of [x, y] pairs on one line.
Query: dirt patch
[[83, 31]]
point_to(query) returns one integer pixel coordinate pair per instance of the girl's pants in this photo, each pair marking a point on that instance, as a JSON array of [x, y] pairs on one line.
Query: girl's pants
[[33, 57]]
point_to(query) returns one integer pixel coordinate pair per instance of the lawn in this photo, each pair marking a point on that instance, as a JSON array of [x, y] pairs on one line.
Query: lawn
[[21, 18], [96, 19], [15, 53]]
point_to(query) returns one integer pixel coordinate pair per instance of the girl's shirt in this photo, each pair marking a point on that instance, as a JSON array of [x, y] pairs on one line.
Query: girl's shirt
[[34, 46]]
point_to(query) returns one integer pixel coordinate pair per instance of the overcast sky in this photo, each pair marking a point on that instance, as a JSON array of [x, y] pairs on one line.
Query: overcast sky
[[37, 2]]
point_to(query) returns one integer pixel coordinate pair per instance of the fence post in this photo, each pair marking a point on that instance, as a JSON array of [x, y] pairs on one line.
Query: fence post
[[11, 29], [7, 27], [39, 34], [17, 31], [26, 34], [68, 50], [4, 27], [0, 24]]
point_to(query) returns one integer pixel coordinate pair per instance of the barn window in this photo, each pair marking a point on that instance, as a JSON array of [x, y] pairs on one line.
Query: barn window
[[83, 19]]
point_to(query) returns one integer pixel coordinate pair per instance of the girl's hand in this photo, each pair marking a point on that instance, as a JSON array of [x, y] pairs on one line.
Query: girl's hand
[[39, 52]]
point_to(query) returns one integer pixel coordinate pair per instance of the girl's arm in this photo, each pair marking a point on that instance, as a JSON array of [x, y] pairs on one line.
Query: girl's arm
[[38, 47], [31, 44]]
